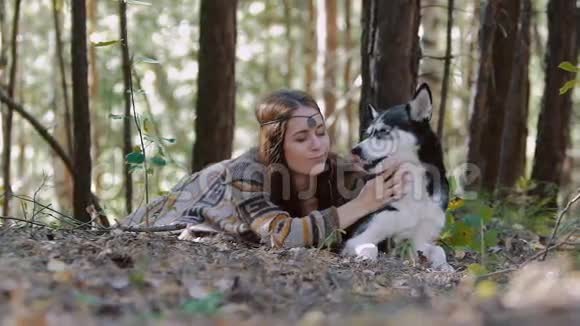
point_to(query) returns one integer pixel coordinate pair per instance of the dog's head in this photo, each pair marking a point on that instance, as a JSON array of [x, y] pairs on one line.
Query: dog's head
[[398, 132]]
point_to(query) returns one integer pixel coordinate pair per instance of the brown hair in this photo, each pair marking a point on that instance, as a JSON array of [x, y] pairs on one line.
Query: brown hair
[[272, 113]]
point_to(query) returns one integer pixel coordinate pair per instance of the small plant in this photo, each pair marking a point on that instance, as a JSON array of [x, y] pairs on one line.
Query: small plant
[[568, 66], [159, 158]]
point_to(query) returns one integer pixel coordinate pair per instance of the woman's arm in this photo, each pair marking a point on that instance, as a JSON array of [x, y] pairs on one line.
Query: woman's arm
[[281, 230]]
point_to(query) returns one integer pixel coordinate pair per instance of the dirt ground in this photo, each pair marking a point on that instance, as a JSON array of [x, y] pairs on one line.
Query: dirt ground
[[74, 278]]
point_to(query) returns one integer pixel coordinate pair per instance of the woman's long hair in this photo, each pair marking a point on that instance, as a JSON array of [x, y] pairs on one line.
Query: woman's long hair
[[279, 106]]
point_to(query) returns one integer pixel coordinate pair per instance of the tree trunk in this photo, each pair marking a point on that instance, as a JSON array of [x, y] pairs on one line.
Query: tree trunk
[[4, 36], [7, 128], [515, 131], [94, 91], [62, 70], [128, 90], [390, 54], [311, 47], [290, 42], [63, 184], [330, 66], [81, 113], [216, 94], [446, 69], [497, 39], [348, 45], [554, 122]]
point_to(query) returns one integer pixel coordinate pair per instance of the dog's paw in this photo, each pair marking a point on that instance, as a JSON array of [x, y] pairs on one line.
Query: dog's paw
[[186, 235], [366, 251], [445, 267]]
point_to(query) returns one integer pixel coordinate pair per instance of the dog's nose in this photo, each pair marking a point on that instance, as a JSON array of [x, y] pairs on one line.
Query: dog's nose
[[356, 151]]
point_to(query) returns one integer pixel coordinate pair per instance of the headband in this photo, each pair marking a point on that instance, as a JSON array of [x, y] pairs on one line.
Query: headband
[[311, 122]]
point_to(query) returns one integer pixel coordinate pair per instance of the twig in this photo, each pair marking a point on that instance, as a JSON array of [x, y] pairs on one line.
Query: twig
[[48, 208], [161, 228], [559, 219], [502, 271], [530, 259], [26, 221]]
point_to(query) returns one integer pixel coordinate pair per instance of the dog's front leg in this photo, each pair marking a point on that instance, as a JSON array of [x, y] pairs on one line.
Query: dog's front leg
[[364, 245], [435, 255]]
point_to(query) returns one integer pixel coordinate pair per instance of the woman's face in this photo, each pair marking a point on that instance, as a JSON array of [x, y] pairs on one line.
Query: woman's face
[[306, 146]]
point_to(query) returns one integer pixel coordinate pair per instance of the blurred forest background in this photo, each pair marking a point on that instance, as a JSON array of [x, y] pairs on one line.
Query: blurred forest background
[[193, 70]]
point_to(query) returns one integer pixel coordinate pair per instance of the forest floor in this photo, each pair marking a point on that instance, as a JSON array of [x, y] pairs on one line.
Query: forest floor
[[74, 278]]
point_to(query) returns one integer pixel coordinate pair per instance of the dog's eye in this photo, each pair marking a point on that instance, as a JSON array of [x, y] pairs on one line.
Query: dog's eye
[[383, 132]]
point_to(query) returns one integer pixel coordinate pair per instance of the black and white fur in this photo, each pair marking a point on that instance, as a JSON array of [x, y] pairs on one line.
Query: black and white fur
[[403, 133]]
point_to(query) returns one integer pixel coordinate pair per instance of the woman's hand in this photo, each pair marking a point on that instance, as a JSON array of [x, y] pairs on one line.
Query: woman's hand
[[385, 188]]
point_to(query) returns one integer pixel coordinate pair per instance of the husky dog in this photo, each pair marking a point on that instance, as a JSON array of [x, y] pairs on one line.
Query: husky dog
[[402, 133]]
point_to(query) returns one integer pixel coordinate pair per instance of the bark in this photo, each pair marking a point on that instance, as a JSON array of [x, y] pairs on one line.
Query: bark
[[348, 45], [446, 70], [311, 47], [390, 54], [128, 87], [81, 112], [97, 128], [330, 66], [290, 45], [215, 105], [494, 78], [63, 179], [62, 70], [513, 142], [553, 136], [8, 112]]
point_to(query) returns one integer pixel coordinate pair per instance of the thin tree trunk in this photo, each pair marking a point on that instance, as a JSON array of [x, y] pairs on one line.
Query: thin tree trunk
[[216, 95], [81, 112], [62, 69], [513, 145], [311, 47], [554, 122], [330, 66], [267, 44], [390, 54], [3, 36], [8, 117], [128, 87], [446, 70], [483, 94], [94, 90], [290, 42], [348, 45]]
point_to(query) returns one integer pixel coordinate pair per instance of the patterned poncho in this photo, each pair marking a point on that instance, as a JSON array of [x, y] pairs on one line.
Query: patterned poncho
[[231, 197]]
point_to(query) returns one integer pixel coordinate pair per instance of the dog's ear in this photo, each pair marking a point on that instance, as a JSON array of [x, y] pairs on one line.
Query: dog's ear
[[421, 106], [374, 113]]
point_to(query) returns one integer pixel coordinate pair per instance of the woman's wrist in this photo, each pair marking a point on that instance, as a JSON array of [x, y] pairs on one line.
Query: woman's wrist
[[350, 212]]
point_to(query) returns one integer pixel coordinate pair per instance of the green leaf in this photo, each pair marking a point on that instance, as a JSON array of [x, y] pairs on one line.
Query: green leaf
[[568, 66], [158, 160], [568, 86], [461, 234], [473, 221], [149, 60], [208, 305], [477, 269], [490, 238], [486, 213], [137, 2], [135, 158], [105, 43]]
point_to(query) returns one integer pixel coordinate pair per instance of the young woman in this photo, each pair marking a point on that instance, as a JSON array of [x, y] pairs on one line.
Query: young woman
[[291, 191]]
